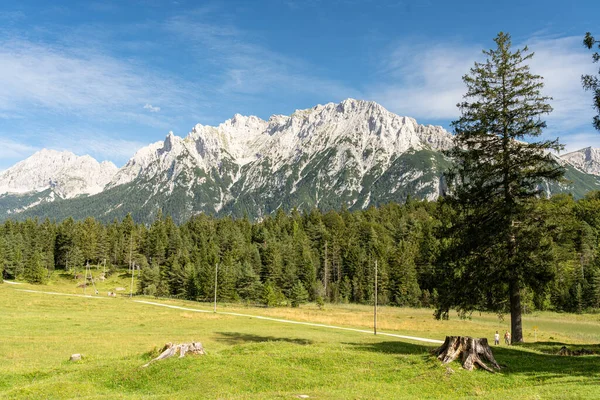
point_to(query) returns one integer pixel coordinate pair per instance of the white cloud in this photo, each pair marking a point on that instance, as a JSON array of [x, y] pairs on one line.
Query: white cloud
[[11, 149], [578, 141], [424, 83], [151, 108], [248, 68], [77, 81], [427, 84], [562, 61]]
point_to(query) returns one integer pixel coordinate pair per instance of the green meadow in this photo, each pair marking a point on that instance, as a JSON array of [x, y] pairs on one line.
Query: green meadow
[[250, 358]]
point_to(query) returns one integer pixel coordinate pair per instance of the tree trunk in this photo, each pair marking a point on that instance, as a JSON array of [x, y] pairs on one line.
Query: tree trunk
[[170, 349], [473, 352], [516, 324]]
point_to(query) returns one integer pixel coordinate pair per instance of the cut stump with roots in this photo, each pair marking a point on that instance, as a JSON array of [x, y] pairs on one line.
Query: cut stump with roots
[[473, 352], [170, 349]]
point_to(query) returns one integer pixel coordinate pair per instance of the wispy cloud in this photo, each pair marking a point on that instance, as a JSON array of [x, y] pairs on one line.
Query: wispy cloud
[[14, 150], [424, 83], [248, 68], [151, 108], [78, 81], [428, 85], [577, 141], [562, 61]]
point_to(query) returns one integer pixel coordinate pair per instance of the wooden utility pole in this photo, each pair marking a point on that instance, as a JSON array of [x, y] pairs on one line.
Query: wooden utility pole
[[375, 303], [132, 274], [325, 272], [85, 277], [131, 252], [216, 276]]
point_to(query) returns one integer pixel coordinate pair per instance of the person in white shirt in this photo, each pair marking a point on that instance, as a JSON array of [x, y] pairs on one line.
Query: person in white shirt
[[497, 338]]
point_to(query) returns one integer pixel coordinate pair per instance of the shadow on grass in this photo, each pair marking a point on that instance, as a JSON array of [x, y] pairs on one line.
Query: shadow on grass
[[393, 347], [238, 338], [515, 359], [552, 348], [67, 275]]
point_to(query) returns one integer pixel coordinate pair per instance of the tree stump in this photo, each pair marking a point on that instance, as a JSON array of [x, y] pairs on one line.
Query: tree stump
[[170, 349], [473, 352]]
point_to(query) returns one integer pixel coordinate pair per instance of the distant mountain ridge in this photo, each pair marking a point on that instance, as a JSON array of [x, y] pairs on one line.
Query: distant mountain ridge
[[587, 160], [353, 154], [49, 175]]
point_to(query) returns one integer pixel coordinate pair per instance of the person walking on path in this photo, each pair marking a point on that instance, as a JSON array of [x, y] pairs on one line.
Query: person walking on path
[[497, 338], [507, 338]]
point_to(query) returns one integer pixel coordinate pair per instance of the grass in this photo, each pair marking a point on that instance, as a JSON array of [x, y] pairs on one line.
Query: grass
[[257, 359]]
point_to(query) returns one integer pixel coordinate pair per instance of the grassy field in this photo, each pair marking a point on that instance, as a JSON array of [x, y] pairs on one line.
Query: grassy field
[[258, 359]]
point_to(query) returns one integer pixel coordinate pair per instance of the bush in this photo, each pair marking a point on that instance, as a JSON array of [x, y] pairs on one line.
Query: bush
[[150, 290], [272, 296]]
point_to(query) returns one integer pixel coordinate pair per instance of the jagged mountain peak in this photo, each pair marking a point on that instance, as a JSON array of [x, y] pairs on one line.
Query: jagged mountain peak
[[586, 159], [67, 174], [354, 153], [242, 140]]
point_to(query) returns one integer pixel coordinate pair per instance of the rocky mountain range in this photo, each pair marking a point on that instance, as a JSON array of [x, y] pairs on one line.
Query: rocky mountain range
[[354, 154]]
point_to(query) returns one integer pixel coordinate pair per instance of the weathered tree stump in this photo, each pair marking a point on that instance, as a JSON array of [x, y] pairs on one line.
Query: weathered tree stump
[[170, 349], [473, 352]]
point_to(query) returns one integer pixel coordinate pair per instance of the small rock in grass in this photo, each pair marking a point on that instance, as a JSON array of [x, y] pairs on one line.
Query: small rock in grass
[[303, 396], [75, 357]]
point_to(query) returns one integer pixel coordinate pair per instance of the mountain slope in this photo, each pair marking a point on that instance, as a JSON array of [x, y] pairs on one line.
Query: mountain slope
[[353, 154], [50, 175], [349, 153], [586, 160]]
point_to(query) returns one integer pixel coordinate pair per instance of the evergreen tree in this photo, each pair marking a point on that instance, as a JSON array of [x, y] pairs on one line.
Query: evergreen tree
[[35, 271], [590, 82], [299, 294], [149, 280], [492, 253], [248, 285], [272, 296], [596, 290]]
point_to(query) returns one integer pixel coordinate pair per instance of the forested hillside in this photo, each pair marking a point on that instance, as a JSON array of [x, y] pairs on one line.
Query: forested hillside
[[290, 258]]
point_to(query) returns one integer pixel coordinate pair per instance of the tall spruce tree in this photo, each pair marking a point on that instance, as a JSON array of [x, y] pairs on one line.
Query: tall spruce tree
[[591, 82], [496, 246]]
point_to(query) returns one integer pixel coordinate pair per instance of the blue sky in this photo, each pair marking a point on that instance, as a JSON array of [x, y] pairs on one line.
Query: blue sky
[[105, 78]]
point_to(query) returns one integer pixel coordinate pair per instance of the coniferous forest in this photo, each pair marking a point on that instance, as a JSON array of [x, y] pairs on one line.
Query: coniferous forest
[[288, 259]]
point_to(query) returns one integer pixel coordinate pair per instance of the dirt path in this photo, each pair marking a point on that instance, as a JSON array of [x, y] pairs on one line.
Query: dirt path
[[62, 294], [285, 321]]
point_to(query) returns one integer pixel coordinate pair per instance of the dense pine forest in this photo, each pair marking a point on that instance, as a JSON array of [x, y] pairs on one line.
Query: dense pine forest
[[287, 259]]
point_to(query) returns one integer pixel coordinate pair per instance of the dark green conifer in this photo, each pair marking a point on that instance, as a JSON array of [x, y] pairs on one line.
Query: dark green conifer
[[496, 247]]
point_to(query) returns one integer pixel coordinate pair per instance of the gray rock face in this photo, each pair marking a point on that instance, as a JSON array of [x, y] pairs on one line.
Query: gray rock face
[[586, 160], [353, 154]]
